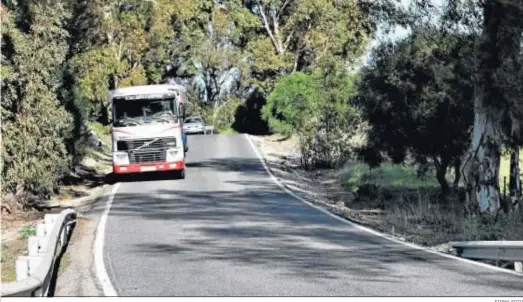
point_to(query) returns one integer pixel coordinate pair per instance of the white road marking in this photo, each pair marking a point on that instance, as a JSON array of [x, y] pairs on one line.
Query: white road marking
[[101, 272], [382, 235]]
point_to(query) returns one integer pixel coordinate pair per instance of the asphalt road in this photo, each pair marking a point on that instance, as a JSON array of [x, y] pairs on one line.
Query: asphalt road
[[228, 230]]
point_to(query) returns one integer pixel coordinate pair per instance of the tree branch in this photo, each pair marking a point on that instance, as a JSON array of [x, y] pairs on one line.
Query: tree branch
[[282, 8], [288, 40], [267, 27]]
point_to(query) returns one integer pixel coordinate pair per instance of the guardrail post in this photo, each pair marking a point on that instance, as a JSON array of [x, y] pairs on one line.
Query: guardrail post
[[43, 229], [40, 230], [33, 262], [50, 218], [34, 271], [37, 245], [518, 267], [22, 269], [32, 246]]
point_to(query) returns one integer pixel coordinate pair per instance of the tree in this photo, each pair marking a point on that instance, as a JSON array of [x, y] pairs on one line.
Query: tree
[[498, 109], [316, 107], [210, 35], [34, 123], [118, 39], [514, 179], [411, 95], [295, 35]]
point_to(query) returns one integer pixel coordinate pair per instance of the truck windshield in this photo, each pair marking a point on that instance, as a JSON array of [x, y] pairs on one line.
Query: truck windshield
[[128, 113]]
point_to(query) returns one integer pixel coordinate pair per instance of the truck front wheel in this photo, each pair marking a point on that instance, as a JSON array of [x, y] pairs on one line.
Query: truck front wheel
[[180, 174]]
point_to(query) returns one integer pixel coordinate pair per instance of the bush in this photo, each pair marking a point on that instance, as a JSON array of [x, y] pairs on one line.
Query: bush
[[35, 124], [317, 108], [223, 117]]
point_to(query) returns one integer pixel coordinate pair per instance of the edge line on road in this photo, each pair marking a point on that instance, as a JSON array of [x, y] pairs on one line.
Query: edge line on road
[[366, 229], [101, 272]]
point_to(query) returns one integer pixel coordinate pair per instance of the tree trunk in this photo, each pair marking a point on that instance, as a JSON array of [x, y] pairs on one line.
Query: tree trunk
[[104, 115], [515, 182], [457, 176], [480, 170], [441, 173], [481, 165]]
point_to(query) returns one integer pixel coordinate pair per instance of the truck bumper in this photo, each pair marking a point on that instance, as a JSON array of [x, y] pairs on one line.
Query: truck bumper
[[148, 167]]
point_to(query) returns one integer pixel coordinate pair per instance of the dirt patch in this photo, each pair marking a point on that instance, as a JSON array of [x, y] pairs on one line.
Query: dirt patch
[[11, 249], [76, 277], [85, 181], [12, 223]]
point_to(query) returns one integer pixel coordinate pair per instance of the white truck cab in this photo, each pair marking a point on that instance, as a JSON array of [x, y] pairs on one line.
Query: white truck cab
[[147, 129]]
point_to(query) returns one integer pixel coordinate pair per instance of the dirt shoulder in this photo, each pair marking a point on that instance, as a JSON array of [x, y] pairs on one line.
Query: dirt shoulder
[[80, 188], [327, 188]]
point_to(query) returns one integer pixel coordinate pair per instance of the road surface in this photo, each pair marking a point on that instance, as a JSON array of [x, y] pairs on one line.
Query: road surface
[[228, 230]]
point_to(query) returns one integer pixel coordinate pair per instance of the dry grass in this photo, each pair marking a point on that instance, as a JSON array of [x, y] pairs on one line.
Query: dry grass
[[391, 198], [10, 252], [65, 262]]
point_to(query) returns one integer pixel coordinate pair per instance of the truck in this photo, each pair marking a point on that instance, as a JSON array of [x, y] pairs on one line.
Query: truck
[[147, 129]]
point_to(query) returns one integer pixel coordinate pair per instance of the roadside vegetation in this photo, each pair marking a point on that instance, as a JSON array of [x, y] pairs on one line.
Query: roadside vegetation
[[424, 129]]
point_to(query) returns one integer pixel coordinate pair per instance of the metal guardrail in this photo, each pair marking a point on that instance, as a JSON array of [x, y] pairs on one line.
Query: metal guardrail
[[35, 271], [491, 250]]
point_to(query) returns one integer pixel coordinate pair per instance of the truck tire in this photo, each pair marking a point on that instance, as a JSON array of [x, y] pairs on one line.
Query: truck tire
[[180, 174]]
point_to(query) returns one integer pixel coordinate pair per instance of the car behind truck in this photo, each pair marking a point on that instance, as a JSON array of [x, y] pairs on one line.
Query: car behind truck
[[147, 133]]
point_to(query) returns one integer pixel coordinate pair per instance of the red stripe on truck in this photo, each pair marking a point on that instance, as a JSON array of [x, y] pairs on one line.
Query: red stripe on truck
[[148, 167]]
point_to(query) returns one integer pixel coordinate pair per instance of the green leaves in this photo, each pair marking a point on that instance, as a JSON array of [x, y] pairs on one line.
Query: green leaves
[[293, 105], [34, 155], [411, 95], [317, 108]]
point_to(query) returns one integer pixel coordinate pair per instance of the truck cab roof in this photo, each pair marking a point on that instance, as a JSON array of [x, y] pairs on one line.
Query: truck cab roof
[[145, 89]]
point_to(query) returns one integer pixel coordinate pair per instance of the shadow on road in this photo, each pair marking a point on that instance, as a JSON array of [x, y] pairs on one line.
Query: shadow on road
[[250, 166], [261, 226], [247, 166], [239, 217], [141, 177]]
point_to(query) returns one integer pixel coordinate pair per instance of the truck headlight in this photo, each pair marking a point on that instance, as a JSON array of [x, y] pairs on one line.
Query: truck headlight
[[172, 154], [120, 158]]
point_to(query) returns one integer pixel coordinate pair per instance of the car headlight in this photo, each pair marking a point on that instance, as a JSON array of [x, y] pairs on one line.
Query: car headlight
[[120, 158]]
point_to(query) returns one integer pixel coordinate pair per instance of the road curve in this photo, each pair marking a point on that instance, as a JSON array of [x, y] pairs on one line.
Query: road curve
[[228, 230]]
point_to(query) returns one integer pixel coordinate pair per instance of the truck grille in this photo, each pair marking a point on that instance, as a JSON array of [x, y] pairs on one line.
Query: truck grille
[[154, 151], [146, 157]]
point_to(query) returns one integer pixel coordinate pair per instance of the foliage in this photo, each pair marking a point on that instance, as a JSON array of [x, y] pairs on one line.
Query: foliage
[[119, 44], [317, 108], [297, 35], [26, 231], [34, 155], [411, 95], [387, 175], [223, 116], [294, 105]]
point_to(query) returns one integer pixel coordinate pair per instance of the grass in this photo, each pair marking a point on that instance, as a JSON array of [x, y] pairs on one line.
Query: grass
[[10, 252], [228, 130], [386, 176], [403, 176], [411, 208], [26, 231], [504, 169], [65, 262]]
